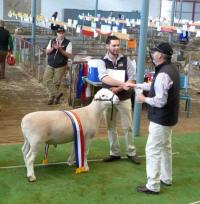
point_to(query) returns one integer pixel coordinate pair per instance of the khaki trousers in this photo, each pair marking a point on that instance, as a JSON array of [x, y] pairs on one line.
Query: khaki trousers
[[158, 156], [123, 108], [52, 80]]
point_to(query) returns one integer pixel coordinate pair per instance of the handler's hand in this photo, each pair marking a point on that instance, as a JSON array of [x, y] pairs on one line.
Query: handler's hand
[[140, 98], [114, 90], [55, 45], [128, 85]]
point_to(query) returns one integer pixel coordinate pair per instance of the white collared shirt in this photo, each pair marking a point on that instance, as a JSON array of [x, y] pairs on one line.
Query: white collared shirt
[[162, 85], [131, 70]]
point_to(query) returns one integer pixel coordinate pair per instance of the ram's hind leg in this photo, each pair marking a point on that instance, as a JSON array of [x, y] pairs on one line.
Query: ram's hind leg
[[30, 158], [25, 150]]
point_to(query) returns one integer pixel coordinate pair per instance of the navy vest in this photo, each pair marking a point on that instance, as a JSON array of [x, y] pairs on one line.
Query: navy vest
[[167, 115], [121, 65], [57, 59]]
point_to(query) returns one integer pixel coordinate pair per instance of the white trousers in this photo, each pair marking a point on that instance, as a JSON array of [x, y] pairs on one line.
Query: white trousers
[[158, 156], [123, 108]]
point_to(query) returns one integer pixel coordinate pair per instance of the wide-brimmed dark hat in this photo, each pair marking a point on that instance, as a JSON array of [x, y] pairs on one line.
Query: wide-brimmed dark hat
[[164, 48], [60, 29]]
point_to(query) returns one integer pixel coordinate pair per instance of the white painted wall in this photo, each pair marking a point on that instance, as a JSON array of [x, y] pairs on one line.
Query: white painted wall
[[48, 8], [1, 9]]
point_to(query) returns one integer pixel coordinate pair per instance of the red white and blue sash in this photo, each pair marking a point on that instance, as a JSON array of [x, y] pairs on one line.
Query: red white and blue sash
[[78, 141]]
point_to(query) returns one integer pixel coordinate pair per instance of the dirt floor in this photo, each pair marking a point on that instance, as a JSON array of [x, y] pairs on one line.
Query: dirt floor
[[21, 94]]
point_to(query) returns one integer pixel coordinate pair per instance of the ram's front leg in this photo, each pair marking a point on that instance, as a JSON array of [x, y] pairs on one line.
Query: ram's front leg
[[71, 159], [86, 151]]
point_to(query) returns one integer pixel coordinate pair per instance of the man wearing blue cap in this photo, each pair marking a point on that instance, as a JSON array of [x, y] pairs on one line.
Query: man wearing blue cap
[[58, 50], [163, 105]]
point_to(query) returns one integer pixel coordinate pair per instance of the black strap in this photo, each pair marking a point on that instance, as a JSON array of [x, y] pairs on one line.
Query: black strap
[[111, 100]]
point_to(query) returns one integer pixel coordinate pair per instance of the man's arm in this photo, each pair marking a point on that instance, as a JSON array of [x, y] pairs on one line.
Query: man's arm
[[49, 49], [55, 45], [126, 86], [104, 77], [112, 82], [67, 52], [162, 85], [145, 86]]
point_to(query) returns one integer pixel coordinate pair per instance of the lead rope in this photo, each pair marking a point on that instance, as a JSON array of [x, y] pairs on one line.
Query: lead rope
[[111, 100]]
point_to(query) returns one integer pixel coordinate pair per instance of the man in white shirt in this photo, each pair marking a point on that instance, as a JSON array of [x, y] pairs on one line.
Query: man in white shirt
[[114, 70], [163, 105]]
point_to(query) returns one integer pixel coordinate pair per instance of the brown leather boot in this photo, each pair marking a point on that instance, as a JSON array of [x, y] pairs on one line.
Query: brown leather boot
[[57, 101], [111, 158], [51, 100], [144, 189]]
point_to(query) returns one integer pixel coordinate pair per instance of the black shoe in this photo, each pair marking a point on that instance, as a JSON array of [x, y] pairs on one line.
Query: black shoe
[[144, 189], [111, 158], [165, 184], [134, 159], [51, 100], [57, 101]]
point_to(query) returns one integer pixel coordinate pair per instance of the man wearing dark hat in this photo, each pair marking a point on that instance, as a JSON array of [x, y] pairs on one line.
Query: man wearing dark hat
[[58, 51], [163, 105]]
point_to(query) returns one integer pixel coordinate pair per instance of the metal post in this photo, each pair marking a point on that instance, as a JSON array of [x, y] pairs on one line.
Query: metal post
[[181, 9], [141, 61], [160, 8], [39, 64], [172, 21], [193, 10], [96, 8], [33, 12], [20, 48]]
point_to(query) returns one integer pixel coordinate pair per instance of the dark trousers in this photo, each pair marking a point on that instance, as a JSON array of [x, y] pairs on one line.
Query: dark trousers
[[2, 63]]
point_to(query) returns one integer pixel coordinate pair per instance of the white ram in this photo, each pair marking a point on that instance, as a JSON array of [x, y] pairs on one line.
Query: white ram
[[54, 127]]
